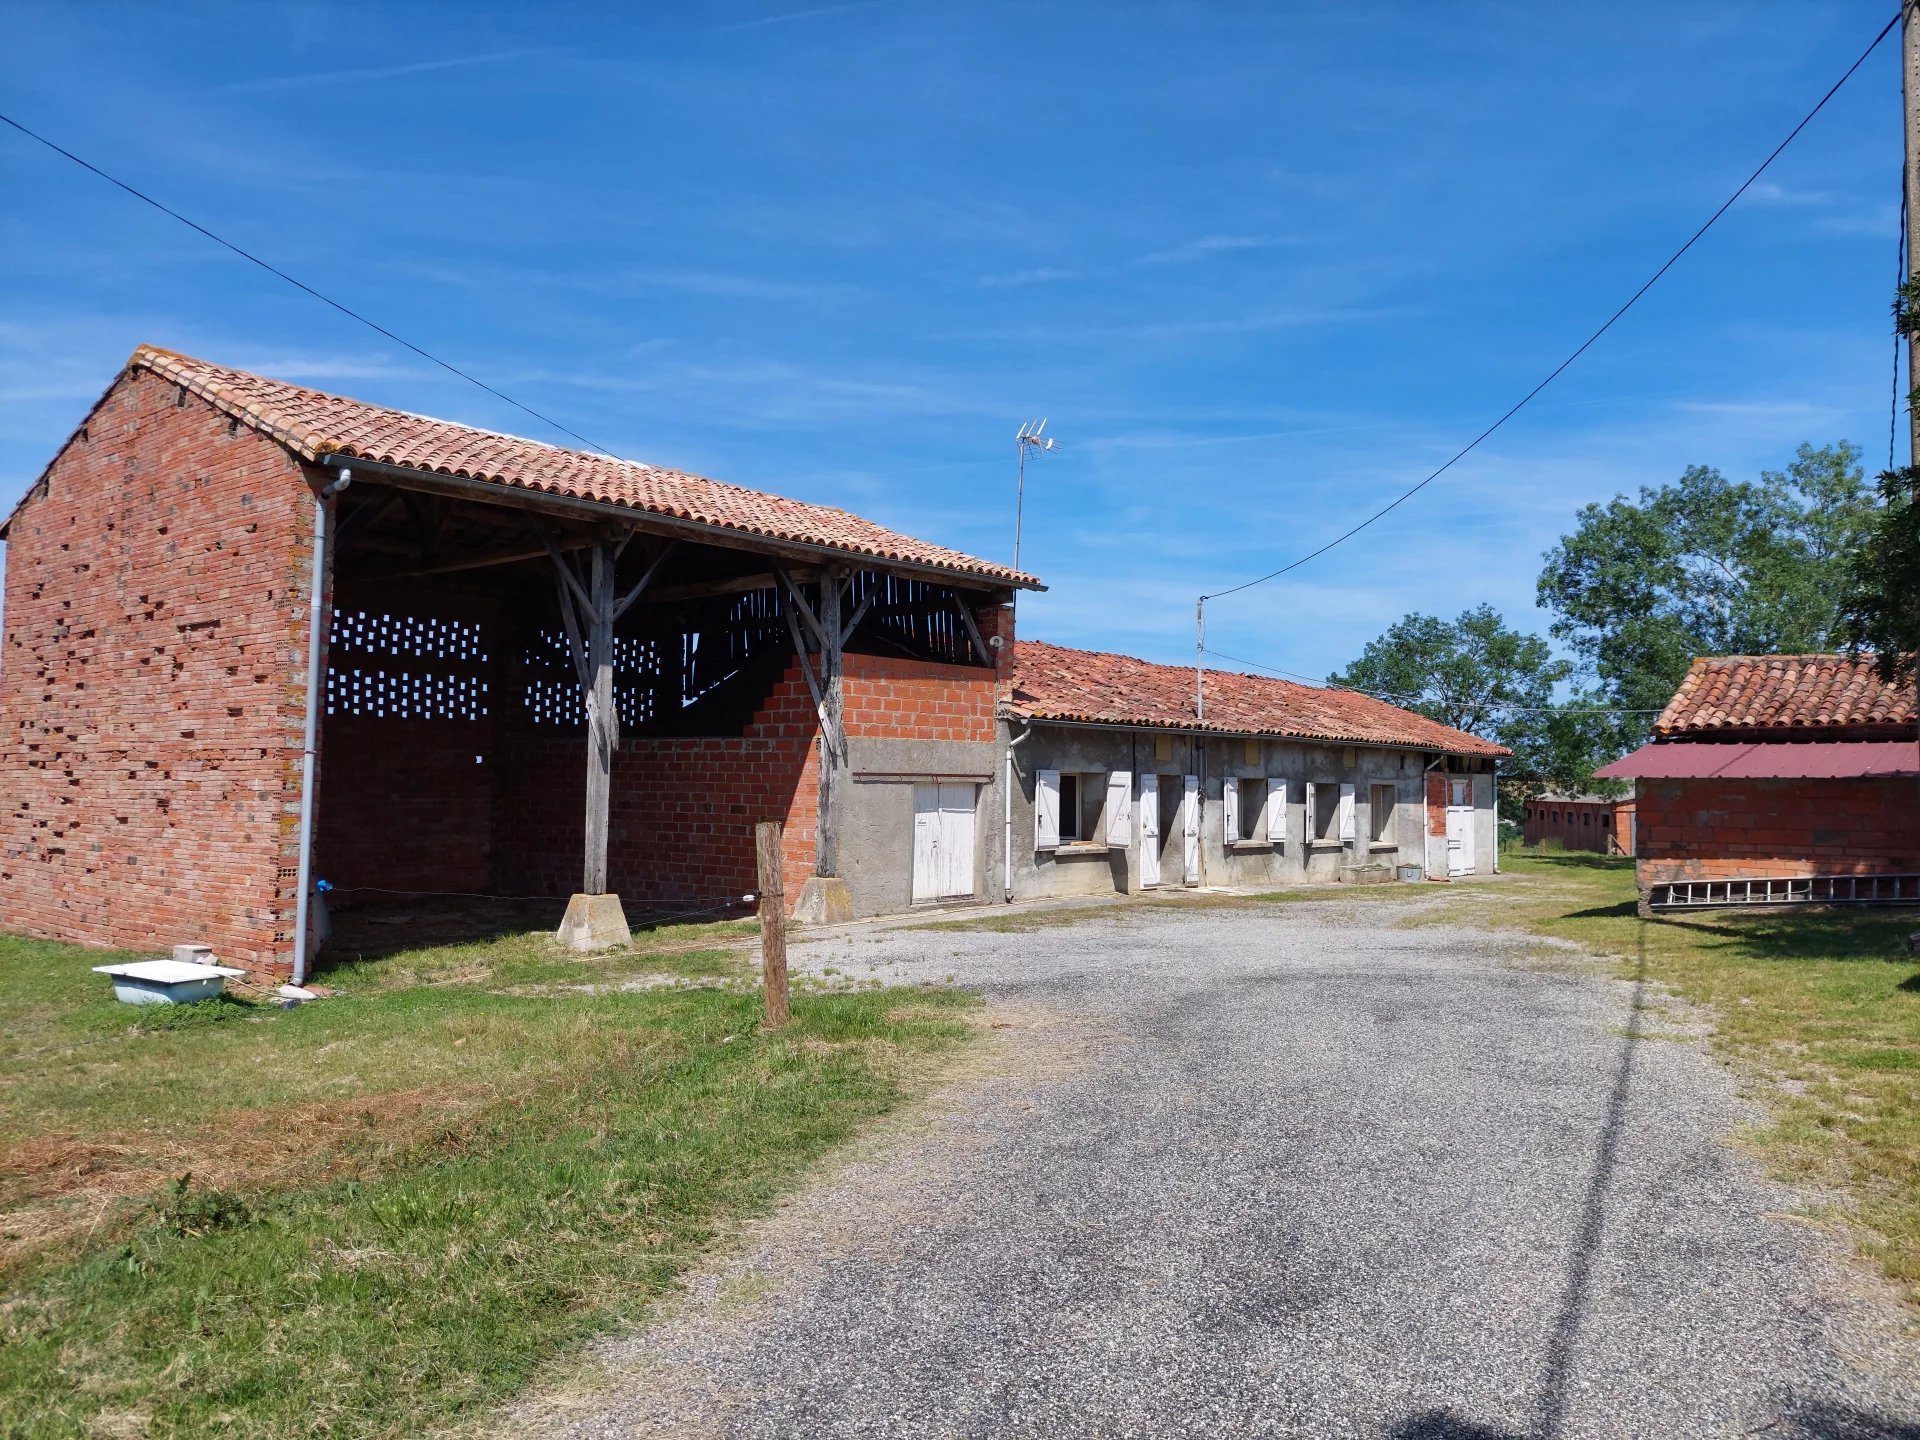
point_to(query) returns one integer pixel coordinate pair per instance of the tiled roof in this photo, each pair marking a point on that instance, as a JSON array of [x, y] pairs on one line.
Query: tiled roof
[[1784, 692], [1051, 682], [314, 424]]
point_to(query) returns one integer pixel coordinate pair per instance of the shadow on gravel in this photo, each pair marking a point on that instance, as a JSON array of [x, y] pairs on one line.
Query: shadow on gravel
[[1439, 1425], [1555, 1391], [1822, 1420]]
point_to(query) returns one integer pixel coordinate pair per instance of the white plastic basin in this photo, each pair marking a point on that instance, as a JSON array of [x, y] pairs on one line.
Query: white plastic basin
[[166, 982]]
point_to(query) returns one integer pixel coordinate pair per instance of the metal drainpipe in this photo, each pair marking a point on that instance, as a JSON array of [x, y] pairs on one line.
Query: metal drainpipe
[[316, 628], [1006, 839]]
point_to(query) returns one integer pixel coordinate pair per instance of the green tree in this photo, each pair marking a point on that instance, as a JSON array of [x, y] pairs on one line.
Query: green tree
[[1880, 604], [1705, 566], [1478, 675]]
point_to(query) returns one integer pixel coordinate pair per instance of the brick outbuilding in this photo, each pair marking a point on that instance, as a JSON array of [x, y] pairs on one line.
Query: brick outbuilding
[[1771, 777], [493, 618]]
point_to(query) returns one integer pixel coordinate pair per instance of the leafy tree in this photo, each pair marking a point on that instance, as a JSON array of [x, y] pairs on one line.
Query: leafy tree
[[1477, 675], [1880, 605], [1705, 566]]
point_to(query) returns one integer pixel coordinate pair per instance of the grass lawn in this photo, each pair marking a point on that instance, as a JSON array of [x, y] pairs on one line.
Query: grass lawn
[[370, 1214], [1823, 1006]]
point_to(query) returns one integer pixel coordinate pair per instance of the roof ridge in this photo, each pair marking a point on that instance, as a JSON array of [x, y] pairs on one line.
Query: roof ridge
[[313, 424]]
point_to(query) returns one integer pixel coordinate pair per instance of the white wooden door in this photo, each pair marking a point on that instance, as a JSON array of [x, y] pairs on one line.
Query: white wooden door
[[1459, 827], [943, 841], [1149, 830], [1190, 828], [957, 805]]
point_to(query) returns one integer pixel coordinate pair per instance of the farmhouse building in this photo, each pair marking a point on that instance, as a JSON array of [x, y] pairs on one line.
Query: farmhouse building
[[1119, 786], [256, 636], [1777, 778]]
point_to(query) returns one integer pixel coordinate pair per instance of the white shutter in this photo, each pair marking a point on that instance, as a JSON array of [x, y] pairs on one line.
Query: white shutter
[[1313, 830], [1346, 812], [1119, 809], [1276, 812], [1230, 810], [1190, 829], [1046, 810]]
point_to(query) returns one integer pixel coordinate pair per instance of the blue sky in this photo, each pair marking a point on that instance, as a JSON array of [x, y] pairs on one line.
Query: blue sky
[[1262, 266]]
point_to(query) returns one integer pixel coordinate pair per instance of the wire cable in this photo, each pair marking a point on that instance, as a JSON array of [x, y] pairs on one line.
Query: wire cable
[[1586, 344], [1393, 699], [301, 285]]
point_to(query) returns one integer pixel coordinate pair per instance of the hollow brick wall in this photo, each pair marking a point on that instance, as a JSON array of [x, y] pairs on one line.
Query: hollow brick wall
[[152, 683], [1716, 829], [680, 824]]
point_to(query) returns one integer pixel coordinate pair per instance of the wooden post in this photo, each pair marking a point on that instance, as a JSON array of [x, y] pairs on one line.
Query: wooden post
[[773, 920], [602, 720], [833, 745]]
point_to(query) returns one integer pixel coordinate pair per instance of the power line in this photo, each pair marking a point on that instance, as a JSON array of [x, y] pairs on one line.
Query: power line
[[301, 285], [1394, 699], [1586, 344]]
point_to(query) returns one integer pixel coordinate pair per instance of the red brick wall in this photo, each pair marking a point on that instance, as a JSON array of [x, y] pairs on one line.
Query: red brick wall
[[683, 811], [918, 699], [404, 805], [1713, 829], [681, 818], [1579, 824], [152, 684]]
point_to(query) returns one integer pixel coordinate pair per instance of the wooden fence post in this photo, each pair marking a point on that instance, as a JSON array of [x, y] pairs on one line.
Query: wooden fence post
[[773, 920]]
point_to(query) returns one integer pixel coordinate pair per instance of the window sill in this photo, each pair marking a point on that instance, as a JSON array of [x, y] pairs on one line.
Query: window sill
[[1326, 845], [1080, 847], [1379, 845], [1249, 847]]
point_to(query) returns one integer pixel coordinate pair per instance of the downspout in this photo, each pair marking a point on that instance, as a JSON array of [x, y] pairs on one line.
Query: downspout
[[316, 630], [1006, 839]]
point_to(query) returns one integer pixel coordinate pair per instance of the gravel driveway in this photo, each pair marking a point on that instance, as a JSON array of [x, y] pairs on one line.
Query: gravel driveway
[[1280, 1170]]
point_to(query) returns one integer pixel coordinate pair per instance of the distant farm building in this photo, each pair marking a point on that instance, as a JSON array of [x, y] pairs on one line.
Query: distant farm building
[[1778, 779], [1579, 822]]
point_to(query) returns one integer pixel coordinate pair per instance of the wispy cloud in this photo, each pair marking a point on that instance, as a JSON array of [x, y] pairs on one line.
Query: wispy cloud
[[1039, 275], [791, 16], [383, 72], [1205, 247]]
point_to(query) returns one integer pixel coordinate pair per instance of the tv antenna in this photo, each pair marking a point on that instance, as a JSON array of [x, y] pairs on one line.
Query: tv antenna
[[1028, 440]]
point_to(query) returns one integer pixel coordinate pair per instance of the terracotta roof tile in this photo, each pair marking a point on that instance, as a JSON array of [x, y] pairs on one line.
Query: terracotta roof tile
[[1051, 682], [316, 424], [1784, 692]]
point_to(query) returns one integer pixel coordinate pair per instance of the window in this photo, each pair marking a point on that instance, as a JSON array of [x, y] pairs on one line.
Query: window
[[1081, 796], [1380, 814], [1586, 817], [1323, 813], [1253, 804]]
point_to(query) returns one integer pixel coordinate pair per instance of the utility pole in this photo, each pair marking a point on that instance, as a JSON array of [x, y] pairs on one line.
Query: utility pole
[[1910, 96], [1199, 658]]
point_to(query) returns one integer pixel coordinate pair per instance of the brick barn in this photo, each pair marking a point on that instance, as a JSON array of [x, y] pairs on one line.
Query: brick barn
[[541, 672], [1778, 778]]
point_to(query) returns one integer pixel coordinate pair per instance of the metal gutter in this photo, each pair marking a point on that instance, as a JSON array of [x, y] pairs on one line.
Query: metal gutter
[[1206, 732], [526, 497], [316, 683]]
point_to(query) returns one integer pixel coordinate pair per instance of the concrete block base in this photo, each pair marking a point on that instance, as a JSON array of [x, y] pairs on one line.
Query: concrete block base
[[824, 900], [594, 922]]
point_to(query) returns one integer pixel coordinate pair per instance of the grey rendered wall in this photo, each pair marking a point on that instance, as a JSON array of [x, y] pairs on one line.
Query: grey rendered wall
[[876, 838], [1217, 759]]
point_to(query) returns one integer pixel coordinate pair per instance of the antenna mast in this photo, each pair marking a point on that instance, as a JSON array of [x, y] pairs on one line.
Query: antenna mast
[[1027, 439]]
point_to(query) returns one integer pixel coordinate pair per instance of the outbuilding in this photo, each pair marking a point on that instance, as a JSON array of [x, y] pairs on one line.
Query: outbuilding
[[256, 635], [1777, 779], [1128, 775], [1599, 823]]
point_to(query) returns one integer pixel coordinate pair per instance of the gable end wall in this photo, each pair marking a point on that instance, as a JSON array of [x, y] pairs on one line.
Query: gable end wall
[[152, 684]]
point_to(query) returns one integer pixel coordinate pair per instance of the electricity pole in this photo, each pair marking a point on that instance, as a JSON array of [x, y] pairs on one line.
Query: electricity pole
[[1910, 95]]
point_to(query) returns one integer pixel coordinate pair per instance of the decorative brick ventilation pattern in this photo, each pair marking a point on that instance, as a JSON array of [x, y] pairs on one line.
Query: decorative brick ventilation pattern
[[450, 686]]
